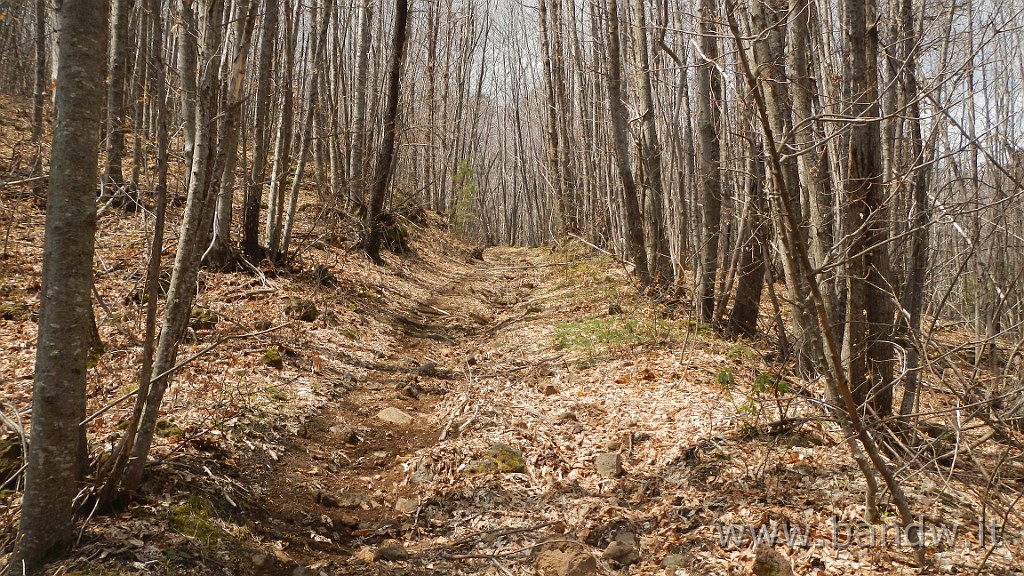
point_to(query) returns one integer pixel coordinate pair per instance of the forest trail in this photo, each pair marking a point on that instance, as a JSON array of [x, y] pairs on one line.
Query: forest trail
[[557, 423], [344, 482]]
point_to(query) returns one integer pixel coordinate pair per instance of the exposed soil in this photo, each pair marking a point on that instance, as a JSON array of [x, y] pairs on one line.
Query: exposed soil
[[334, 489]]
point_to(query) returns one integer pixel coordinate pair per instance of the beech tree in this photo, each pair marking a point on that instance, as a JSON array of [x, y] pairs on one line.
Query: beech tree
[[57, 448], [375, 216]]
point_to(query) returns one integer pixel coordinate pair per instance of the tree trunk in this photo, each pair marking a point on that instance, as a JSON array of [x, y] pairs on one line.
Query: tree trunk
[[283, 141], [375, 218], [913, 294], [709, 95], [634, 231], [39, 98], [310, 101], [110, 474], [867, 348], [357, 186], [113, 176], [58, 399], [751, 269], [656, 242], [218, 255], [262, 106], [190, 236]]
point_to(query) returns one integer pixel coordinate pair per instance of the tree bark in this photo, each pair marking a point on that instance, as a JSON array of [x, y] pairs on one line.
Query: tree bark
[[218, 255], [191, 235], [357, 185], [709, 95], [113, 175], [656, 242], [634, 227], [58, 400], [751, 269], [283, 140], [310, 101], [375, 217], [263, 119], [867, 348]]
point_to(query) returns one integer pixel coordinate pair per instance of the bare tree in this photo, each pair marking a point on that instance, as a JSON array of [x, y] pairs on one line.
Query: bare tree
[[629, 200], [375, 217], [709, 95], [57, 450], [655, 240]]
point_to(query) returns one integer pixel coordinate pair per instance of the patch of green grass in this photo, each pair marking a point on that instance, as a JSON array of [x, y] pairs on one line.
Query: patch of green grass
[[275, 394], [610, 332]]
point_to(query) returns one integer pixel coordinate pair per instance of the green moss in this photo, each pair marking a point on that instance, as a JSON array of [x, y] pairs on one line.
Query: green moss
[[167, 429], [14, 310], [203, 318], [272, 357], [274, 393], [194, 518]]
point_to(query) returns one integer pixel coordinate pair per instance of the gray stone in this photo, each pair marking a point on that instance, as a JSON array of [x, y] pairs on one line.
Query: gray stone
[[421, 476], [608, 464], [349, 436], [406, 505], [393, 415], [673, 561]]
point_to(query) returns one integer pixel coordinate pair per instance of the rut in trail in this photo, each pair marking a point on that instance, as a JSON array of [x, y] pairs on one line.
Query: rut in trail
[[335, 490]]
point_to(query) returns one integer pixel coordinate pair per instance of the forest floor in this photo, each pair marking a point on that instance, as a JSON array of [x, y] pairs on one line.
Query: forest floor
[[524, 413]]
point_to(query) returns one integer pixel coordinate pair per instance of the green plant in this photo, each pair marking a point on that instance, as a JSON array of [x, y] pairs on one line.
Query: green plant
[[725, 379]]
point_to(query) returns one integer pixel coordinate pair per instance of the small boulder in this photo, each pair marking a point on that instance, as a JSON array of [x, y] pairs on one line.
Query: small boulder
[[622, 552], [391, 551], [422, 475], [674, 561], [770, 562], [608, 464], [393, 415], [349, 436]]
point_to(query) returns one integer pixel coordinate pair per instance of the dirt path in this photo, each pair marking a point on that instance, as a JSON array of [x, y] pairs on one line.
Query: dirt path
[[336, 488]]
